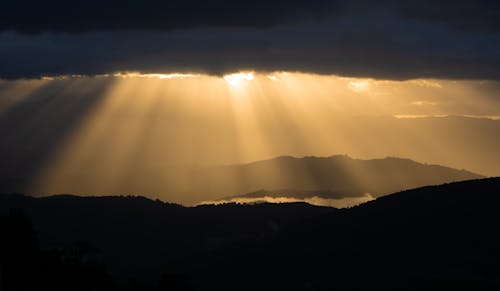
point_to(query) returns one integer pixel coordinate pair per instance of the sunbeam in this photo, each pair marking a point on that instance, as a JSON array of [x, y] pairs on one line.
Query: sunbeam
[[151, 133]]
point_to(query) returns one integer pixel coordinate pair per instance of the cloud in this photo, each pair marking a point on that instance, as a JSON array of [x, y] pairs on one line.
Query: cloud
[[423, 103], [466, 15], [382, 40], [318, 201], [33, 16]]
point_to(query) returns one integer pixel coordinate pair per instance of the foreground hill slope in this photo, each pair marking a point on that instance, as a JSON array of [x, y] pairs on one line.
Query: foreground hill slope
[[137, 237], [432, 238]]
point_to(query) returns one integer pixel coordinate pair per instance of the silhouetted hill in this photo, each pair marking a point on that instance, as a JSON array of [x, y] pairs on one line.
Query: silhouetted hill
[[335, 177], [432, 238], [137, 237]]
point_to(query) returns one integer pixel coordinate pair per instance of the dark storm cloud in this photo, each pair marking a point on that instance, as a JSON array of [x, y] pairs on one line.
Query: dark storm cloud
[[480, 15], [379, 39], [33, 16]]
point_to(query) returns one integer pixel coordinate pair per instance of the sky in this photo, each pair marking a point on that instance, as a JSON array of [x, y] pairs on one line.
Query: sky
[[111, 97]]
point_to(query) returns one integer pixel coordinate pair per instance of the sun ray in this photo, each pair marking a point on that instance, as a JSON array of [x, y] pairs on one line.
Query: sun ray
[[148, 134]]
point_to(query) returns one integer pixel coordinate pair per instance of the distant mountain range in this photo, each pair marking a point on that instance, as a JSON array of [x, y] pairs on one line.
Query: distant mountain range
[[334, 177], [32, 162], [432, 238]]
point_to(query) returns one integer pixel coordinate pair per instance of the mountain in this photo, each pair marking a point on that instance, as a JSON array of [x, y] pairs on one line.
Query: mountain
[[37, 157], [432, 238], [334, 177]]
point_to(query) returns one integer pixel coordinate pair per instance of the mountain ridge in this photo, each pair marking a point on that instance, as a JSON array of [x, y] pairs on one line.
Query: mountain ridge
[[339, 176]]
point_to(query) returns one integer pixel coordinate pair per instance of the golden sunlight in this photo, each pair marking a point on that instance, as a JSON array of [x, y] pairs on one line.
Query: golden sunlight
[[159, 76], [149, 126], [359, 85], [236, 78]]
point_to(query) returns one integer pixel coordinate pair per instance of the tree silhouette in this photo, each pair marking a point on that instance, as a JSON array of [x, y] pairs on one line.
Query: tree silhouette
[[25, 267]]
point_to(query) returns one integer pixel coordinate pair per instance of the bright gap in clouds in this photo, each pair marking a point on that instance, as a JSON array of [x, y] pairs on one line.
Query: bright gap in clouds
[[159, 76], [236, 78]]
